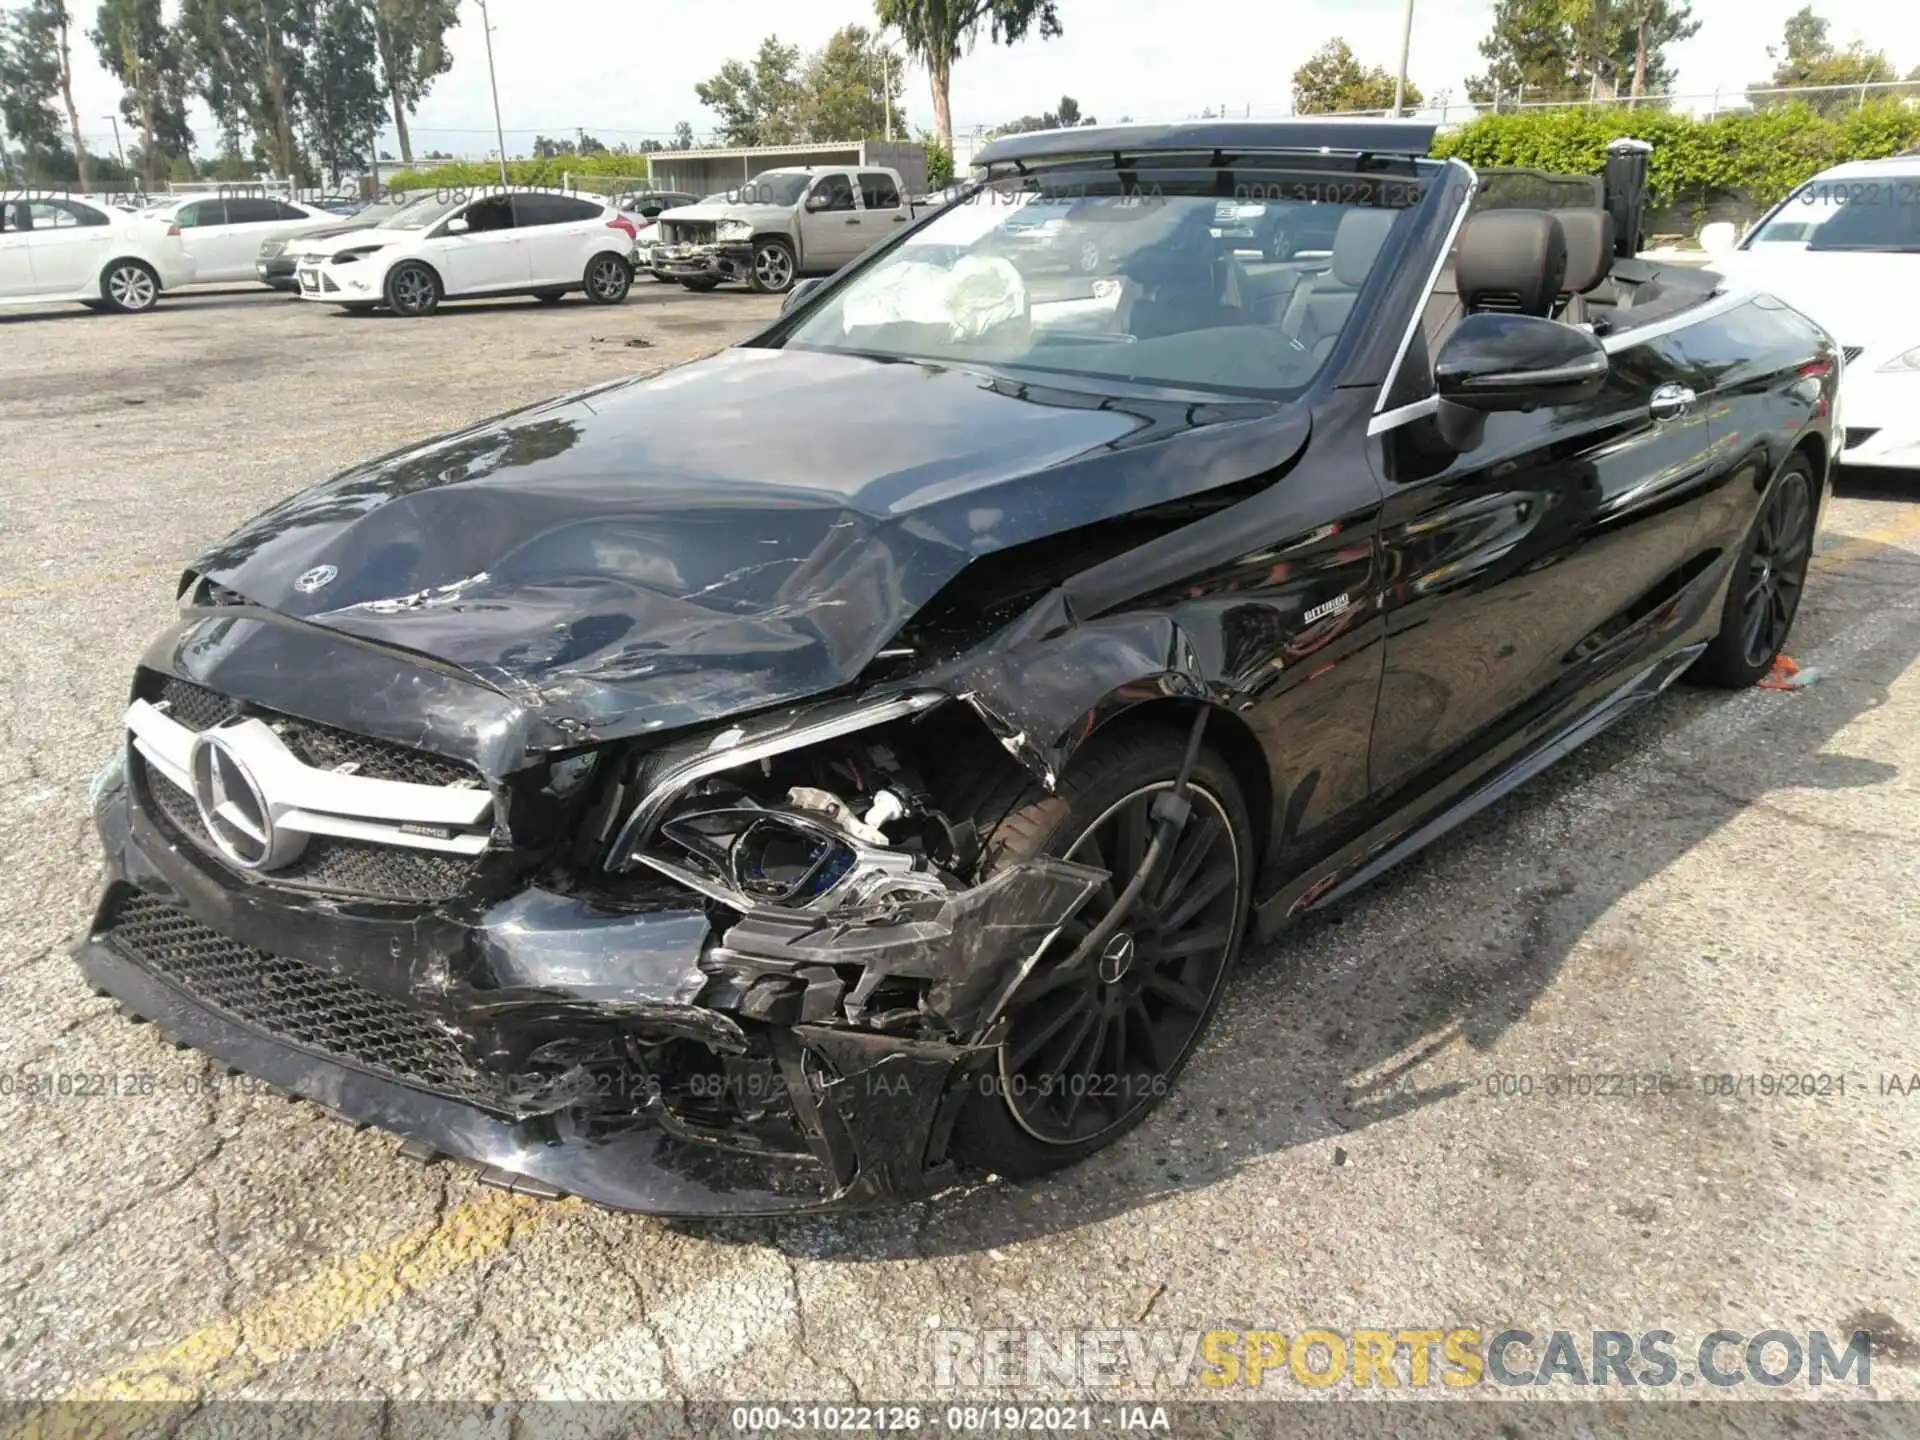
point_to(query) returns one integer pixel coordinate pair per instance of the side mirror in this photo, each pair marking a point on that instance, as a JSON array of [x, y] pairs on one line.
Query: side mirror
[[458, 225], [819, 200], [1496, 362], [1719, 238], [800, 292]]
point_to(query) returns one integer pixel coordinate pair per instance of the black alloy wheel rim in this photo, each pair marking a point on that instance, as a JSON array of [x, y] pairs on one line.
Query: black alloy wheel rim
[[609, 279], [1087, 1051], [412, 289], [1776, 570]]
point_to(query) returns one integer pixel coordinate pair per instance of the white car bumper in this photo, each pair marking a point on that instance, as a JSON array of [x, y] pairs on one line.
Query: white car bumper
[[174, 267], [358, 283], [1881, 416]]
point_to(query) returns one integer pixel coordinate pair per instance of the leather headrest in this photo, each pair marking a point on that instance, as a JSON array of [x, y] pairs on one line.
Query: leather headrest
[[1356, 244], [1513, 261], [1589, 247]]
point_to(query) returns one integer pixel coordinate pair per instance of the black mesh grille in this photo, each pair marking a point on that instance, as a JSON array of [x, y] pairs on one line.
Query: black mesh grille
[[1853, 352], [298, 1003], [1858, 435], [330, 864]]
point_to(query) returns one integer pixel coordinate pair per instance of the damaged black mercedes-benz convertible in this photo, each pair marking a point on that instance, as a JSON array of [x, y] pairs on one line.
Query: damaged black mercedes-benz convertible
[[853, 760]]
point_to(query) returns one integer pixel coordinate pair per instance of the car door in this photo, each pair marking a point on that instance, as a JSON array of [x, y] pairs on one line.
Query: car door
[[830, 224], [553, 231], [1522, 572], [882, 211], [479, 249], [16, 264], [202, 223], [67, 245]]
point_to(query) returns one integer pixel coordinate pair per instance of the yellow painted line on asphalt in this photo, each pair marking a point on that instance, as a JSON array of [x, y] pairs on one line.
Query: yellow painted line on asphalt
[[89, 577], [232, 1351], [1858, 547]]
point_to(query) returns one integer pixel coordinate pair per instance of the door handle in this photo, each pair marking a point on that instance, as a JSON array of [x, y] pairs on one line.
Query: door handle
[[1671, 401], [853, 219], [899, 219]]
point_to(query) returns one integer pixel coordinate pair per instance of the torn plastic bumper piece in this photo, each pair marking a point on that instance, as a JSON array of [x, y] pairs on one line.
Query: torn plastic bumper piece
[[548, 1083]]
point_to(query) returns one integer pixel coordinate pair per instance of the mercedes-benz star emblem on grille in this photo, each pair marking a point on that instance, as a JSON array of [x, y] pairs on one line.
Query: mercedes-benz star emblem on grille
[[317, 578], [235, 810]]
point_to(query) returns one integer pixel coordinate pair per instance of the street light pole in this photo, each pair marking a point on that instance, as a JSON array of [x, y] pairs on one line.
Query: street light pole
[[1400, 80], [500, 135], [119, 149]]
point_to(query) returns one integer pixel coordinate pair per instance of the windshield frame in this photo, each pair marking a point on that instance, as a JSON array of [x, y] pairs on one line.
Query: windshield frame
[[1435, 198]]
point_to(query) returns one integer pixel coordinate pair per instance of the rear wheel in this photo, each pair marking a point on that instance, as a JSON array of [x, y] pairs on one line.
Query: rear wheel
[[412, 289], [608, 279], [1764, 594], [1089, 1052], [130, 286]]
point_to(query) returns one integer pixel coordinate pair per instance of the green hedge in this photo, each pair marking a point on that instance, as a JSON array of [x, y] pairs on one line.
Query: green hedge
[[1761, 154], [465, 174]]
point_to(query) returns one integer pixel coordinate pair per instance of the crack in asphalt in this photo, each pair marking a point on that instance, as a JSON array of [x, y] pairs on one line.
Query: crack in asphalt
[[800, 1330]]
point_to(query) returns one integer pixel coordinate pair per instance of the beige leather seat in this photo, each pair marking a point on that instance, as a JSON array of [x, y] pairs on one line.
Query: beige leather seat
[[1322, 302]]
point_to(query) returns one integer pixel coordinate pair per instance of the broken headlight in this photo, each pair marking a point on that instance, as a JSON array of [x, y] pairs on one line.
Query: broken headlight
[[803, 811]]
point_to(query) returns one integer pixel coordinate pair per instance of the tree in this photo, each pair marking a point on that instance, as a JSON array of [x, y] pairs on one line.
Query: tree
[[29, 85], [1333, 82], [758, 104], [249, 60], [1571, 49], [1805, 56], [847, 87], [411, 38], [1067, 117], [36, 75], [347, 102], [682, 135], [139, 49], [938, 32], [545, 147]]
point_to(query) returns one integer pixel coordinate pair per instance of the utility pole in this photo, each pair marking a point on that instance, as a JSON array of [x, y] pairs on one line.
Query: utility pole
[[1400, 79], [119, 149], [886, 84], [486, 27]]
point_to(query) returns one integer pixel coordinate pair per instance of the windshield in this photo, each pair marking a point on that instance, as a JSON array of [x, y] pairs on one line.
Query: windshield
[[1881, 213], [771, 187], [1159, 286], [419, 214]]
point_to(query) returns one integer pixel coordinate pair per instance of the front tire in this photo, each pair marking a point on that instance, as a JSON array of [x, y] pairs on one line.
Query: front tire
[[412, 289], [130, 286], [608, 279], [1764, 594], [773, 267], [699, 284], [1088, 1055]]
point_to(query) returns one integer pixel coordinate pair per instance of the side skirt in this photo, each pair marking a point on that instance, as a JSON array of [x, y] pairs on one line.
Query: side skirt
[[1418, 824]]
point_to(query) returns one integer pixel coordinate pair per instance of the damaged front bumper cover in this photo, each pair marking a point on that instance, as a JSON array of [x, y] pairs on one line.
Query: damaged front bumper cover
[[714, 260], [661, 1061]]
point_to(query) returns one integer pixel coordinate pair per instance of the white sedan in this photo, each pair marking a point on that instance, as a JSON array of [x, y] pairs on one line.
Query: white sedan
[[61, 248], [223, 232], [1844, 249], [542, 243]]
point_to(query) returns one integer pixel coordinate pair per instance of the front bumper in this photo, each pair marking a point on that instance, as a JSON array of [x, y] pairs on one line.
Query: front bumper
[[277, 273], [354, 284], [1881, 414], [720, 260], [554, 1045]]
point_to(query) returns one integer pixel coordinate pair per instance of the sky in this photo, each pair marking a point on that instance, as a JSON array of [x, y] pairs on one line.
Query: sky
[[626, 71]]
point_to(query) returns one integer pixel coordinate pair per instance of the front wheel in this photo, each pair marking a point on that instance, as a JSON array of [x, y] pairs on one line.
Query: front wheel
[[608, 279], [773, 267], [1088, 1053], [130, 286], [1764, 594], [412, 289]]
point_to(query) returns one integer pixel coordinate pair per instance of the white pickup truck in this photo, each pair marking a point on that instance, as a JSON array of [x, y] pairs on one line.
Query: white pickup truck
[[778, 226]]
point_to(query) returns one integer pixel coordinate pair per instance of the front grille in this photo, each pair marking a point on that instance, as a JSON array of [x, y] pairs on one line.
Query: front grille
[[1858, 435], [330, 864], [687, 232], [1853, 352], [296, 1003]]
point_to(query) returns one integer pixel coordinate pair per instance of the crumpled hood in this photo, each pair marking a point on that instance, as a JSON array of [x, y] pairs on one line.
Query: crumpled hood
[[737, 533]]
